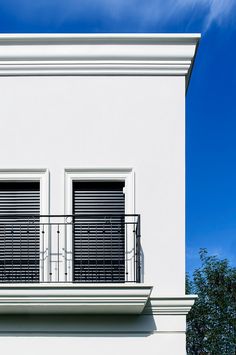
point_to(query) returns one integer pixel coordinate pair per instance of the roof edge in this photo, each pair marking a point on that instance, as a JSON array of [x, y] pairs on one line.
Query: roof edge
[[109, 37], [146, 54]]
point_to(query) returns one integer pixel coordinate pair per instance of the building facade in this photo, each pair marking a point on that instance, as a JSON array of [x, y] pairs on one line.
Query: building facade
[[92, 193]]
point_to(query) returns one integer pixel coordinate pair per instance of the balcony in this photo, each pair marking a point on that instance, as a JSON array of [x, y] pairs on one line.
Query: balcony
[[71, 263]]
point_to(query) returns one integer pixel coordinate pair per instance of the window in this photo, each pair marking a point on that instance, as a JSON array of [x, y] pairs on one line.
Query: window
[[20, 237], [99, 232], [23, 197], [102, 241]]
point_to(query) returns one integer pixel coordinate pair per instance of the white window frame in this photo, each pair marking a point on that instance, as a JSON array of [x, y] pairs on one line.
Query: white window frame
[[103, 174], [42, 176]]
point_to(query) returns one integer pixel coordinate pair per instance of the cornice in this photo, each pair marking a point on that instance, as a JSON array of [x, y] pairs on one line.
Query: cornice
[[98, 37], [169, 305], [90, 299], [97, 54], [73, 299]]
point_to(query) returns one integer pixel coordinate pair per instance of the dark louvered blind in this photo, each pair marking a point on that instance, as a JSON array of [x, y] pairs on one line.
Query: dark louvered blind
[[19, 235], [99, 247]]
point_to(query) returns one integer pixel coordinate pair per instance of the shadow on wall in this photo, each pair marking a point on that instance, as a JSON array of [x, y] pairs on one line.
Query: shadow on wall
[[80, 325]]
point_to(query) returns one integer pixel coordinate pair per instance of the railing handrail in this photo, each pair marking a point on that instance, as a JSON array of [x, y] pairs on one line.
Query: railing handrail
[[81, 215]]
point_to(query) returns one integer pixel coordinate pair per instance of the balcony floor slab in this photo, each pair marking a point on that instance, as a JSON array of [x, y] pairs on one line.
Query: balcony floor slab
[[74, 298]]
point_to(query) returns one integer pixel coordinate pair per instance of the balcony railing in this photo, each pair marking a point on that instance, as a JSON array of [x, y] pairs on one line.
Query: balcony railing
[[70, 248]]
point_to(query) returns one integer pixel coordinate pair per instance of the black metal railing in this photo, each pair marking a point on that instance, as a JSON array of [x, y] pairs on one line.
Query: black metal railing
[[70, 248]]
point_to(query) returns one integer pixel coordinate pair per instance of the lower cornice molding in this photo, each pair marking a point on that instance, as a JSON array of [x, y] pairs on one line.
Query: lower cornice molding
[[90, 299], [94, 68], [169, 305], [73, 298]]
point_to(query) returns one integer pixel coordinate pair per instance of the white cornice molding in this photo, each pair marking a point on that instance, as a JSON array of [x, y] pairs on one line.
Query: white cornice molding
[[170, 305], [73, 299], [97, 54], [98, 37]]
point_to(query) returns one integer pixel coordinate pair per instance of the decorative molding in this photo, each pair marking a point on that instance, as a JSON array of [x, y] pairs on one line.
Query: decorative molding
[[73, 299], [94, 38], [97, 54], [41, 175], [88, 174], [170, 305]]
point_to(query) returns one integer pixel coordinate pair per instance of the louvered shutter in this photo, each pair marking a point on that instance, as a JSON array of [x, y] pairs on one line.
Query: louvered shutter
[[19, 235], [99, 246]]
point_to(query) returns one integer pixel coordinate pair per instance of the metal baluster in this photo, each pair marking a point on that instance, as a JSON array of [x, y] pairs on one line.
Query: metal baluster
[[49, 232], [42, 254], [135, 253], [35, 251], [126, 253], [96, 248], [139, 250], [20, 253], [138, 236], [104, 267], [81, 266], [89, 253], [4, 251], [58, 255], [119, 248], [65, 251], [28, 248], [111, 252], [12, 254]]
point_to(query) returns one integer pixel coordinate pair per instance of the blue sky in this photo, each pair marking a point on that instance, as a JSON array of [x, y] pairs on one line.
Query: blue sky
[[211, 98]]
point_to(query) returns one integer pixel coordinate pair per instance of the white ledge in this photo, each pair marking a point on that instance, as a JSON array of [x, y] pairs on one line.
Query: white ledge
[[169, 305], [97, 54], [73, 298]]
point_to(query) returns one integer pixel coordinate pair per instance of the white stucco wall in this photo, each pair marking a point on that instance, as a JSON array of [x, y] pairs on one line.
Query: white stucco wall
[[96, 116], [26, 335], [109, 122], [105, 122], [163, 344]]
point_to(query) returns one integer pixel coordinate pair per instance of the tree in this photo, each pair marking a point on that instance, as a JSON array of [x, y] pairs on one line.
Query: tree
[[211, 324]]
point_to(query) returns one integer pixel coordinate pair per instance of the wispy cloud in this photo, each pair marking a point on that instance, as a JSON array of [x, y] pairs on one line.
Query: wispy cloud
[[159, 12], [145, 15], [220, 12]]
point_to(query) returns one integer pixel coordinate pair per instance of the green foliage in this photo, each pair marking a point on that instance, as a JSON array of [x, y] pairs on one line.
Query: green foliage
[[211, 324]]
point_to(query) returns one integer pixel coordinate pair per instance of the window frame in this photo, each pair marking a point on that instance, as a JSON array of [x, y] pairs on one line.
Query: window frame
[[41, 175], [102, 174]]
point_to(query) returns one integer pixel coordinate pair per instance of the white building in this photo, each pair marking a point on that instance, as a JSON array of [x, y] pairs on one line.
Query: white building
[[93, 134]]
